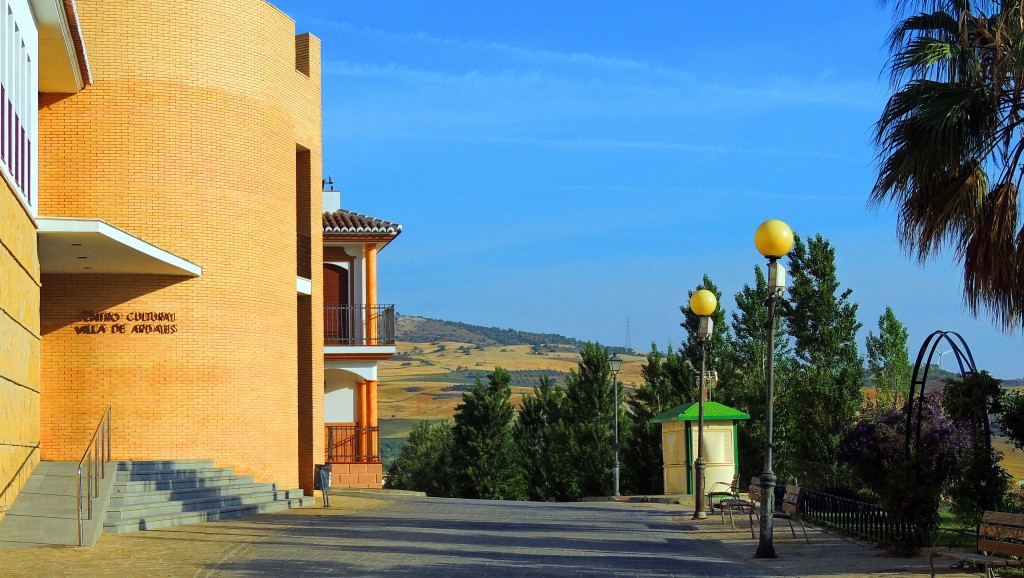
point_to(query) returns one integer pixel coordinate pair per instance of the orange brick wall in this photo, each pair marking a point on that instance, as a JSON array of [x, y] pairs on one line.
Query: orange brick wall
[[357, 476], [187, 139], [19, 345]]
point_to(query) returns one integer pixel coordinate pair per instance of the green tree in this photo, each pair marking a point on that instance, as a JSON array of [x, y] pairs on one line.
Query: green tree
[[485, 462], [1010, 417], [538, 417], [659, 391], [746, 389], [669, 380], [980, 482], [719, 349], [950, 146], [889, 362], [823, 395], [424, 462], [582, 437]]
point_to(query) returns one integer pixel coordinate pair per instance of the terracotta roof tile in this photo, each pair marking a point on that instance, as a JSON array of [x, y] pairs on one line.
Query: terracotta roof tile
[[343, 221]]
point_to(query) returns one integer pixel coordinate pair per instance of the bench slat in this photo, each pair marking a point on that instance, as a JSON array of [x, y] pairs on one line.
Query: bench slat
[[996, 532], [1004, 549], [1003, 518], [976, 558]]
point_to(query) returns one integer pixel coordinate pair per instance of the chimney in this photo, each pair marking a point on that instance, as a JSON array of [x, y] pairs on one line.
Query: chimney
[[331, 200]]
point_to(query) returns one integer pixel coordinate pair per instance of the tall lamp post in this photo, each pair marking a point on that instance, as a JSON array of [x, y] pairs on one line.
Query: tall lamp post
[[615, 363], [703, 303], [773, 239]]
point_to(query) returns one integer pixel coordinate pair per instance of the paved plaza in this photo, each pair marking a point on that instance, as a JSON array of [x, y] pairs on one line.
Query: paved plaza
[[370, 535]]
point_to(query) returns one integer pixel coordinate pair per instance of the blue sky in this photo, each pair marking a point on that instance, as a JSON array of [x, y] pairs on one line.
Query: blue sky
[[562, 167]]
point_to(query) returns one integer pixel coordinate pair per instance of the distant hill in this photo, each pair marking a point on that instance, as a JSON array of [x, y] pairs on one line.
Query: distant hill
[[426, 330]]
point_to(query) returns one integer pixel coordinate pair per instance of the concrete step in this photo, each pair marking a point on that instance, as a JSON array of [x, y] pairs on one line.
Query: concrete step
[[225, 513], [125, 499], [189, 505], [150, 495], [159, 475], [142, 466], [181, 484]]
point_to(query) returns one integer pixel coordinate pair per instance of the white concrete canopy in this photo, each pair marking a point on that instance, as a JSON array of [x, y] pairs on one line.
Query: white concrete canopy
[[85, 246], [59, 69]]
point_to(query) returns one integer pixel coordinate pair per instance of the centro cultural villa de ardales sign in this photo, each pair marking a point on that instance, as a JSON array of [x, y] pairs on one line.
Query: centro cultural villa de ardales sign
[[138, 322]]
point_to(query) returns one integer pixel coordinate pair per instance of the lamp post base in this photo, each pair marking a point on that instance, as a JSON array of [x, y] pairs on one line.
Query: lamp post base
[[698, 500], [765, 544]]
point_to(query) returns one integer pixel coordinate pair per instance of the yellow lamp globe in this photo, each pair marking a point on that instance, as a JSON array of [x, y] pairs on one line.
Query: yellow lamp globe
[[773, 238], [703, 303]]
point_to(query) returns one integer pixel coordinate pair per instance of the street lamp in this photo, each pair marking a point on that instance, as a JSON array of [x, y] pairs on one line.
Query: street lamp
[[773, 239], [615, 363], [703, 303]]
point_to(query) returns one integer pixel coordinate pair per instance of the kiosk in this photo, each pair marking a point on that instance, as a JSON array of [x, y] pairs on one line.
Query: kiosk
[[679, 440]]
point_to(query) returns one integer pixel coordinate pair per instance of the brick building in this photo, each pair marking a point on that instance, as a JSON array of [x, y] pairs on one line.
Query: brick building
[[162, 239]]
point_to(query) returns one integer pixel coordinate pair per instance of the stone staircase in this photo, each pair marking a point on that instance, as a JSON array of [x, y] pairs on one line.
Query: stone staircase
[[157, 494]]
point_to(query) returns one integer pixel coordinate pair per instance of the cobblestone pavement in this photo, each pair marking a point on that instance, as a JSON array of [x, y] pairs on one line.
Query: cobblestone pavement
[[400, 536]]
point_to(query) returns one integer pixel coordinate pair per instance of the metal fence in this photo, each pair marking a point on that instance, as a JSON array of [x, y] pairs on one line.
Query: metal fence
[[352, 444], [860, 519]]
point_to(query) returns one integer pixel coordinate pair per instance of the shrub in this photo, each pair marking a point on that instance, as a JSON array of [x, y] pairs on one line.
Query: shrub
[[424, 462], [908, 490]]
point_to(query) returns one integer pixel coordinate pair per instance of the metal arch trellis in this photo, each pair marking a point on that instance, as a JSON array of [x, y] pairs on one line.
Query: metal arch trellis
[[965, 361]]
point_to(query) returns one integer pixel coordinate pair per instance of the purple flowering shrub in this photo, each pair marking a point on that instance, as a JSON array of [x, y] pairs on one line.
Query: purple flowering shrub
[[875, 451]]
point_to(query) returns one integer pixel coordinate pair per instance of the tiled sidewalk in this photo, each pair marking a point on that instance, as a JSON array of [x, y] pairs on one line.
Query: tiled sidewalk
[[377, 536]]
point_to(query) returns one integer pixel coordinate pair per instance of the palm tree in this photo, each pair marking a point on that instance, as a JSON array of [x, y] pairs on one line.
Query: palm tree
[[950, 145]]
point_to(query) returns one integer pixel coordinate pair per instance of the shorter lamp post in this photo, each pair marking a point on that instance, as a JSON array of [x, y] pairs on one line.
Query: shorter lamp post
[[703, 303], [773, 239], [615, 363]]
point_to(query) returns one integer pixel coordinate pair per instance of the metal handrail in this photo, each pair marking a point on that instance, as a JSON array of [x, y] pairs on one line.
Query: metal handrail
[[351, 443], [97, 451], [359, 325], [10, 484]]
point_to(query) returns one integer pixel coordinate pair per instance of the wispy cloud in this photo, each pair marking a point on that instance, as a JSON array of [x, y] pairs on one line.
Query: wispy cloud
[[585, 59]]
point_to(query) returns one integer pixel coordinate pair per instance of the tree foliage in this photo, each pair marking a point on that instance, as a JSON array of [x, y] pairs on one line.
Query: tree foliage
[[538, 417], [823, 394], [981, 481], [909, 490], [1010, 417], [746, 383], [889, 361], [950, 146], [668, 380], [719, 349], [485, 462], [424, 462], [582, 438]]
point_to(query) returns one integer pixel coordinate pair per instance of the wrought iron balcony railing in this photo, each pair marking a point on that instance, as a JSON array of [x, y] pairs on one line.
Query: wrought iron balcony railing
[[348, 444], [359, 325]]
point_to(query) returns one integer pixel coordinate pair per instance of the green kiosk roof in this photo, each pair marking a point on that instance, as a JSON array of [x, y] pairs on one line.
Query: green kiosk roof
[[688, 412]]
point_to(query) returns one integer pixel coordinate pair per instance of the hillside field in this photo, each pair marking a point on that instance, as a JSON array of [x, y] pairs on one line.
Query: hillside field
[[425, 381]]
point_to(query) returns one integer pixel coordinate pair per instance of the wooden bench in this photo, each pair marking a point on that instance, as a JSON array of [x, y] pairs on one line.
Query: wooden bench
[[999, 535], [790, 508]]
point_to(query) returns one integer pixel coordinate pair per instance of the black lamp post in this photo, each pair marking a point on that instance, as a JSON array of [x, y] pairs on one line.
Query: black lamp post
[[615, 363], [703, 303], [773, 239]]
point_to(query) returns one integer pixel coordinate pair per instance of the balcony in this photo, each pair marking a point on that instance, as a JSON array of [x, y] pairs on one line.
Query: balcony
[[350, 444], [359, 325]]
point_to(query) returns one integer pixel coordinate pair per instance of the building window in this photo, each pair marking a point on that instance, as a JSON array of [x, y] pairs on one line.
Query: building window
[[19, 100]]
